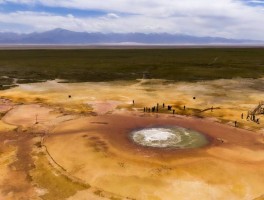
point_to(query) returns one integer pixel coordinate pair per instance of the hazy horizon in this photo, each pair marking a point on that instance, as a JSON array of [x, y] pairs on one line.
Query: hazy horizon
[[64, 37]]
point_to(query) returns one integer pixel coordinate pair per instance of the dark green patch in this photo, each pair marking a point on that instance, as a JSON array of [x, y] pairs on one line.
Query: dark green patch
[[129, 64]]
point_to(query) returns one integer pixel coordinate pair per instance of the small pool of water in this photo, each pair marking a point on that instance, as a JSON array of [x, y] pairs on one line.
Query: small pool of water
[[172, 137]]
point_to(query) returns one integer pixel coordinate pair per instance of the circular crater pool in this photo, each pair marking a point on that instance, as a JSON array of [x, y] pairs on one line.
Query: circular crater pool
[[173, 137]]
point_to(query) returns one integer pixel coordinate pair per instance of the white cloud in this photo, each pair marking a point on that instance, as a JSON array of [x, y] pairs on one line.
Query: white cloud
[[112, 16], [225, 18]]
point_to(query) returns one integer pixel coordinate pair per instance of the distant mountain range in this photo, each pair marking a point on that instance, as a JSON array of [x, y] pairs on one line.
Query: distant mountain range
[[62, 36]]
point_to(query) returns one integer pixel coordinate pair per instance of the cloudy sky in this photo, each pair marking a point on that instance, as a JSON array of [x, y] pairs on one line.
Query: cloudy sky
[[224, 18]]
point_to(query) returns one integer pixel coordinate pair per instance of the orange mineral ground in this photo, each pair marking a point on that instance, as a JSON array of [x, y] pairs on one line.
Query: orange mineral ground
[[81, 148]]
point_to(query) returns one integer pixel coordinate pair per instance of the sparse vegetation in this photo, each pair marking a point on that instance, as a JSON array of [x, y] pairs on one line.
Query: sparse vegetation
[[128, 64]]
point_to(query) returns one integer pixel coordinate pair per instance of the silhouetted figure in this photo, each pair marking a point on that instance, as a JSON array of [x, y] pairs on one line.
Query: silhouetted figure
[[153, 109], [69, 96], [247, 116], [235, 123], [169, 108], [133, 102], [173, 111], [36, 119], [254, 117], [242, 116], [257, 121], [184, 107], [163, 105]]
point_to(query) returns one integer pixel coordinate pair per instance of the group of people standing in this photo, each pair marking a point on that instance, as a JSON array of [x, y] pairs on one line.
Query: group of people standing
[[157, 107], [154, 109], [251, 117]]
